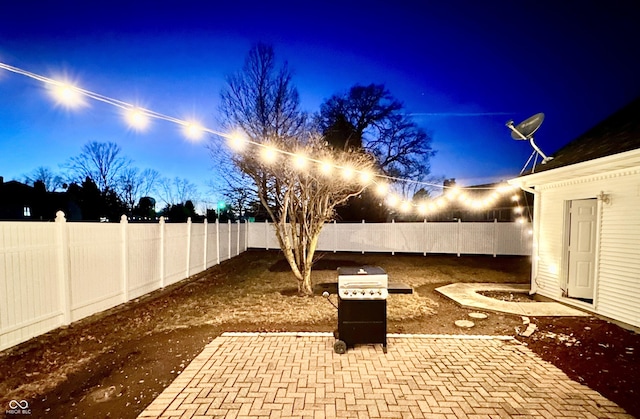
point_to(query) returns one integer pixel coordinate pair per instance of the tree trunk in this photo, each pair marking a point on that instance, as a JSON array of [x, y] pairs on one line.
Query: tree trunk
[[305, 287]]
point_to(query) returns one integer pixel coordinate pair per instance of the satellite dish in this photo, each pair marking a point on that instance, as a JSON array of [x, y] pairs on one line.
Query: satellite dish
[[525, 129]]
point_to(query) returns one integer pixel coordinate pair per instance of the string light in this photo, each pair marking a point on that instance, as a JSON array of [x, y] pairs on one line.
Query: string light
[[193, 131], [347, 173], [67, 95], [422, 208], [300, 161], [382, 189], [137, 119], [392, 200], [237, 142], [268, 154], [71, 96], [365, 177], [326, 167]]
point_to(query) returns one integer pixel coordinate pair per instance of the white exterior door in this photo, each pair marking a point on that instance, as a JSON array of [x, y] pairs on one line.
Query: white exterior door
[[582, 248]]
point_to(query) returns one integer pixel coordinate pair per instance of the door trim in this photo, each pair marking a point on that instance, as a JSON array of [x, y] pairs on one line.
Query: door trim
[[565, 251]]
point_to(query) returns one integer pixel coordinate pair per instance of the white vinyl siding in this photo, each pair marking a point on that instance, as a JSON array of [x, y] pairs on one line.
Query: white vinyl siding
[[617, 292]]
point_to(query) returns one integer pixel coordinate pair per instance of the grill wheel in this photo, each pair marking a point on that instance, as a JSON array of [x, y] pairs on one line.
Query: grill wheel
[[340, 347]]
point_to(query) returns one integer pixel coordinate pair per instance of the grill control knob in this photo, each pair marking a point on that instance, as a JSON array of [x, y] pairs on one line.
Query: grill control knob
[[371, 292]]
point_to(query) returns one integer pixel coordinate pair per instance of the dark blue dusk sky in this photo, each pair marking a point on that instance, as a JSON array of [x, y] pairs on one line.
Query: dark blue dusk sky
[[463, 67]]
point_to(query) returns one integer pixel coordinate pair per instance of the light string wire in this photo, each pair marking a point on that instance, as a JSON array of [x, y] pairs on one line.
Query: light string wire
[[160, 116]]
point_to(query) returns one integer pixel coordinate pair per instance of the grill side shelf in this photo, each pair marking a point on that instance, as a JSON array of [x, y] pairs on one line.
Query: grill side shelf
[[332, 288]]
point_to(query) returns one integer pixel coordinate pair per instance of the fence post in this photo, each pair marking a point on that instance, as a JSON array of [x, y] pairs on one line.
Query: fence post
[[424, 236], [124, 224], [218, 242], [246, 235], [63, 267], [393, 234], [188, 246], [229, 230], [495, 237], [266, 234], [459, 235], [161, 225], [204, 263]]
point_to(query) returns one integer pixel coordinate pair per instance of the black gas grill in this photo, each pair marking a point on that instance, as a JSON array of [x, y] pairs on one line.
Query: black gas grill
[[362, 307]]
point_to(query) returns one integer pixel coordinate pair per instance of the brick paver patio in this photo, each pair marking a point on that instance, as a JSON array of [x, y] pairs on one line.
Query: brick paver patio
[[279, 375]]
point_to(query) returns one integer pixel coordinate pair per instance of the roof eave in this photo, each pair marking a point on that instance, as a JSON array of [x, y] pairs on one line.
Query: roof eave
[[582, 169]]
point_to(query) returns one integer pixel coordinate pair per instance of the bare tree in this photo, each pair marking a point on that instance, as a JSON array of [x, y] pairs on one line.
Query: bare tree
[[101, 162], [262, 101], [49, 179], [134, 184], [176, 191], [300, 200], [238, 191]]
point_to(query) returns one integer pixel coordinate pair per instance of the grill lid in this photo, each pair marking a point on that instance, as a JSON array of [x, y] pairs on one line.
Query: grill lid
[[365, 282]]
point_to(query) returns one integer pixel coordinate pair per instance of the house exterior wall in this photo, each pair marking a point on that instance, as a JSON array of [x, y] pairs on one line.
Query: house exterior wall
[[617, 278]]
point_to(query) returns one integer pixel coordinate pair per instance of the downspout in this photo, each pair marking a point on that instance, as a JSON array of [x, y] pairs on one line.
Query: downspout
[[536, 233]]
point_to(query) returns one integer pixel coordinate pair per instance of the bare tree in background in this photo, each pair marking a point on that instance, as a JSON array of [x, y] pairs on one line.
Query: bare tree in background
[[176, 191], [100, 162], [262, 101], [49, 179], [134, 184], [238, 191]]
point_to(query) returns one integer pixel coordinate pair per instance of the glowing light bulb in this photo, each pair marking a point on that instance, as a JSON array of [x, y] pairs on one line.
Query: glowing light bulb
[[137, 119], [326, 167], [422, 208], [67, 95], [515, 198], [517, 210], [382, 189], [237, 141], [193, 131], [441, 202], [521, 220], [365, 177], [269, 154], [347, 173], [405, 206], [453, 192], [392, 201], [299, 161]]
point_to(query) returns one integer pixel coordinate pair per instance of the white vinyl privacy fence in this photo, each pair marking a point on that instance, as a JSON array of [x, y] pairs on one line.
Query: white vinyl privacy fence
[[52, 274], [436, 237]]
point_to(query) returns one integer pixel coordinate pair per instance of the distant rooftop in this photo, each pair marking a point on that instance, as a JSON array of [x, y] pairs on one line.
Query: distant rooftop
[[618, 133]]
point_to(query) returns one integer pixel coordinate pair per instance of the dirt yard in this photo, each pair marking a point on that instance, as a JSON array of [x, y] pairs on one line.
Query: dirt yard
[[115, 363]]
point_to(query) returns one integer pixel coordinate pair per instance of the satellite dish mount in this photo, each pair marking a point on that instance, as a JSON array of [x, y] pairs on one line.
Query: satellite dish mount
[[524, 131]]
